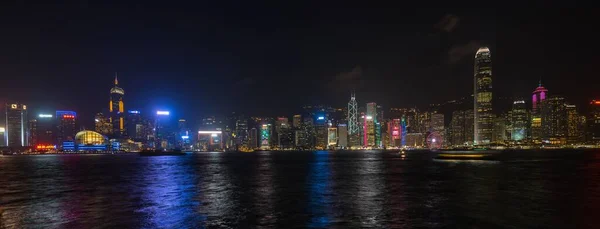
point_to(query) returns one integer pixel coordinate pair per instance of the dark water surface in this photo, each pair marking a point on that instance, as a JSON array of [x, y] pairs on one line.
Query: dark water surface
[[300, 189]]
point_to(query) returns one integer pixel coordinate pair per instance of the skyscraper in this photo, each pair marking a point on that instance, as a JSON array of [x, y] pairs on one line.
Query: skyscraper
[[343, 135], [518, 120], [66, 130], [573, 131], [134, 125], [593, 122], [102, 124], [16, 125], [297, 121], [537, 98], [117, 109], [483, 96], [44, 130], [353, 127], [554, 120], [457, 125], [394, 132]]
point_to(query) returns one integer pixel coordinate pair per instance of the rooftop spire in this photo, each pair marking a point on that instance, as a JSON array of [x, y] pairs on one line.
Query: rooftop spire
[[116, 80]]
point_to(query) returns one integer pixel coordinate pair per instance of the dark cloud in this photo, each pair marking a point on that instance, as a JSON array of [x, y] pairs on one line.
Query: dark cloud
[[459, 52], [350, 80], [448, 23]]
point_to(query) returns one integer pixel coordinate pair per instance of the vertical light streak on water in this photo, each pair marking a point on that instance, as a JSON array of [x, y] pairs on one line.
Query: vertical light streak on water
[[169, 188], [320, 190], [264, 198], [219, 193], [370, 196]]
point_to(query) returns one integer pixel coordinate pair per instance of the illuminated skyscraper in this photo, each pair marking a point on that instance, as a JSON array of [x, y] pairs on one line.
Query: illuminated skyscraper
[[297, 121], [284, 133], [537, 98], [593, 123], [320, 126], [117, 109], [437, 124], [573, 125], [370, 126], [66, 130], [353, 127], [44, 130], [265, 136], [103, 125], [134, 125], [16, 125], [394, 132], [343, 135], [483, 96], [519, 121], [554, 120]]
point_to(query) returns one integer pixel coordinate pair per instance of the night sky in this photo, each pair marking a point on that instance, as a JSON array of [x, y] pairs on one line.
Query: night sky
[[271, 59]]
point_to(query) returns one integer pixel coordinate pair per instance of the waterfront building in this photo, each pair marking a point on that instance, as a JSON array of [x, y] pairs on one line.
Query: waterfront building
[[241, 132], [2, 136], [163, 133], [42, 130], [16, 125], [394, 132], [554, 121], [284, 133], [415, 140], [253, 138], [134, 125], [265, 136], [573, 126], [342, 135], [518, 120], [437, 124], [593, 123], [103, 125], [537, 100], [483, 96], [457, 125], [332, 137], [500, 129], [353, 124], [117, 110], [88, 140], [65, 126]]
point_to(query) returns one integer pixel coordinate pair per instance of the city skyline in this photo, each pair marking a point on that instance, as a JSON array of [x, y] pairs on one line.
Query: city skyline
[[382, 55]]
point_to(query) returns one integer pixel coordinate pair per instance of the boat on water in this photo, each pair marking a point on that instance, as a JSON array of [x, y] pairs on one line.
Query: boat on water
[[467, 155], [175, 152]]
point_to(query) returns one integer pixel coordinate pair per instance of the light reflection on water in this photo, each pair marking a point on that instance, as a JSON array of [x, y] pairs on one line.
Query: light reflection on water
[[319, 202], [298, 189]]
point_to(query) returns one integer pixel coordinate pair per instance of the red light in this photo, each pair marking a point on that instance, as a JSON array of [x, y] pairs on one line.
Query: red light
[[45, 147], [597, 102], [68, 116]]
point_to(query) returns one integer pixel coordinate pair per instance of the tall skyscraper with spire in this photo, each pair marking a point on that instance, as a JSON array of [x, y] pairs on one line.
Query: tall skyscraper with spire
[[353, 127], [117, 109], [483, 97], [537, 100]]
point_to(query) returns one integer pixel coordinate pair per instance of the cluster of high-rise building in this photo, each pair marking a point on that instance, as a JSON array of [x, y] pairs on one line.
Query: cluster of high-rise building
[[114, 129], [548, 120]]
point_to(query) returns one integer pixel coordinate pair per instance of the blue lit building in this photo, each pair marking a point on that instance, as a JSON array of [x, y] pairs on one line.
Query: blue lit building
[[89, 141]]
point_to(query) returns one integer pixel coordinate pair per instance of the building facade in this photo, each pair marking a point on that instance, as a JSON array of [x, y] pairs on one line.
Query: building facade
[[16, 125], [518, 121], [483, 97], [117, 110]]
